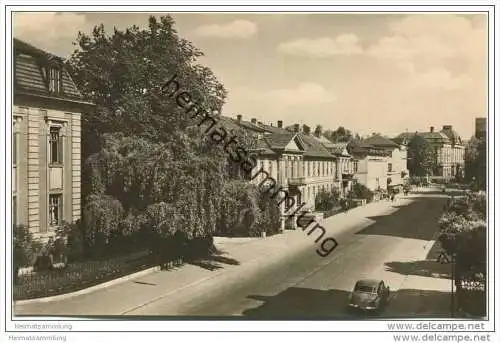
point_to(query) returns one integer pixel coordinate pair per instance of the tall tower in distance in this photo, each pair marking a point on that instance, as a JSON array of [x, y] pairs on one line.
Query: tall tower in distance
[[481, 128]]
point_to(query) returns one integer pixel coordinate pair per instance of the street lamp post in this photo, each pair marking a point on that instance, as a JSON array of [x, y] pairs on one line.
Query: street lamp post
[[453, 276], [452, 300]]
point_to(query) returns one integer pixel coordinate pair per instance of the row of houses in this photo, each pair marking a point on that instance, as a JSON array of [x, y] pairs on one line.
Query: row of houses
[[304, 163], [46, 145]]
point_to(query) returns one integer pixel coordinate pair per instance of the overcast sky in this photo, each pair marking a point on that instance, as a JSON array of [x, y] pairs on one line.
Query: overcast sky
[[368, 72]]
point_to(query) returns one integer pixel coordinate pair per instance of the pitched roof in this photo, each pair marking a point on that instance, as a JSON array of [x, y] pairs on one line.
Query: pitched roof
[[435, 136], [379, 141], [339, 149], [452, 135], [313, 147], [31, 68]]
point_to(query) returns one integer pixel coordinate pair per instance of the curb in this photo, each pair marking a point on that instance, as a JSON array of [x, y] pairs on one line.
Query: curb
[[144, 273], [115, 282], [89, 289]]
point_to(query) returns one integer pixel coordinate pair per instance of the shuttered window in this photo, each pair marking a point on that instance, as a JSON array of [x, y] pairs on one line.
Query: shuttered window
[[55, 144]]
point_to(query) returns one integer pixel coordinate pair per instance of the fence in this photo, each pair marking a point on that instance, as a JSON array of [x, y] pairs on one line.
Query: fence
[[471, 293], [76, 276]]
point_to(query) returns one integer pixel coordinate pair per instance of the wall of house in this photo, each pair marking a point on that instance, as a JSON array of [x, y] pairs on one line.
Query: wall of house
[[319, 176], [448, 158], [397, 167], [372, 172], [35, 177]]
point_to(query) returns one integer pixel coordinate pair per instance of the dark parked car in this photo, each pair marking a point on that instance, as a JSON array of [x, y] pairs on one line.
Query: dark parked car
[[369, 294]]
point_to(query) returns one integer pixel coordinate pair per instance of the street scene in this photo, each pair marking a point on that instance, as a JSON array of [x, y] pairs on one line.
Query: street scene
[[162, 166], [286, 279]]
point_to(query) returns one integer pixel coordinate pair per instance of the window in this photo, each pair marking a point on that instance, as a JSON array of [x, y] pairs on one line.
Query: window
[[55, 145], [389, 166], [55, 209], [55, 80], [355, 165], [360, 287]]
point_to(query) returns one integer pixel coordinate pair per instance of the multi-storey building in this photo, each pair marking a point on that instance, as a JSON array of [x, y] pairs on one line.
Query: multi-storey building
[[345, 165], [46, 141], [449, 150], [298, 162], [371, 166], [397, 169]]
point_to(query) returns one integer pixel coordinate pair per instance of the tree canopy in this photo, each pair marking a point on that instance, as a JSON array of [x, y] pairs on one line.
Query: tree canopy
[[421, 156], [476, 162], [463, 232], [141, 147], [341, 135]]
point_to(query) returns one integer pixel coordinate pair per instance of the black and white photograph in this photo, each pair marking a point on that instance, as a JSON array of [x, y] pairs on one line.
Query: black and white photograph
[[193, 166]]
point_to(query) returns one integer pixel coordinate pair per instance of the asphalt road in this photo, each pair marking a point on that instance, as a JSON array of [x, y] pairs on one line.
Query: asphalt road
[[304, 285]]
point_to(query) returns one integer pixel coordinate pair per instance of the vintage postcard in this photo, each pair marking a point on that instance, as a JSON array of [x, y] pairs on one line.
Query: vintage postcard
[[242, 165]]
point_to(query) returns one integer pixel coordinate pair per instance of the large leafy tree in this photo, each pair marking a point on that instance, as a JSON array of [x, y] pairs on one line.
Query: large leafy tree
[[421, 156], [341, 134], [140, 146], [476, 162]]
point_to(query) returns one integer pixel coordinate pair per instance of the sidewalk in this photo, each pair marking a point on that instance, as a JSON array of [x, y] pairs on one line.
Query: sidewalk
[[124, 297]]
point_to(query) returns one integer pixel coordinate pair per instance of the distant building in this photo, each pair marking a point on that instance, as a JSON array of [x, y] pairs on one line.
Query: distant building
[[449, 148], [346, 166], [397, 169], [371, 166], [298, 162], [46, 141], [481, 128]]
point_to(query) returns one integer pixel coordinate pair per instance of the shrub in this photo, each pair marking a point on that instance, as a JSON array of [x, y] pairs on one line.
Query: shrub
[[360, 191], [463, 230], [23, 254], [102, 215], [270, 214], [70, 241], [327, 200], [240, 213]]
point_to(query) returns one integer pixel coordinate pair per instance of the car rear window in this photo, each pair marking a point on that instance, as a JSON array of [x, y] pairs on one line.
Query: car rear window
[[364, 288]]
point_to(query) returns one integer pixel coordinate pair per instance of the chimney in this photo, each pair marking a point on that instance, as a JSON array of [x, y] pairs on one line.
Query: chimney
[[280, 124], [239, 116], [447, 127], [296, 127], [307, 129], [254, 121], [432, 128]]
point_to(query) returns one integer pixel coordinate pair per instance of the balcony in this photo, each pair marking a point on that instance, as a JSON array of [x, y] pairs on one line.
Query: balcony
[[296, 181]]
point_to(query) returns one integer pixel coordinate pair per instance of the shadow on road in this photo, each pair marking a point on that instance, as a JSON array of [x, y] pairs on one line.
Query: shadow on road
[[312, 304], [214, 262], [428, 268], [417, 220]]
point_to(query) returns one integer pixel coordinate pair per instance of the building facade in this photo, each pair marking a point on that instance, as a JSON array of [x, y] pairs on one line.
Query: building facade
[[46, 142], [397, 158], [298, 162], [371, 166], [449, 151], [344, 163]]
